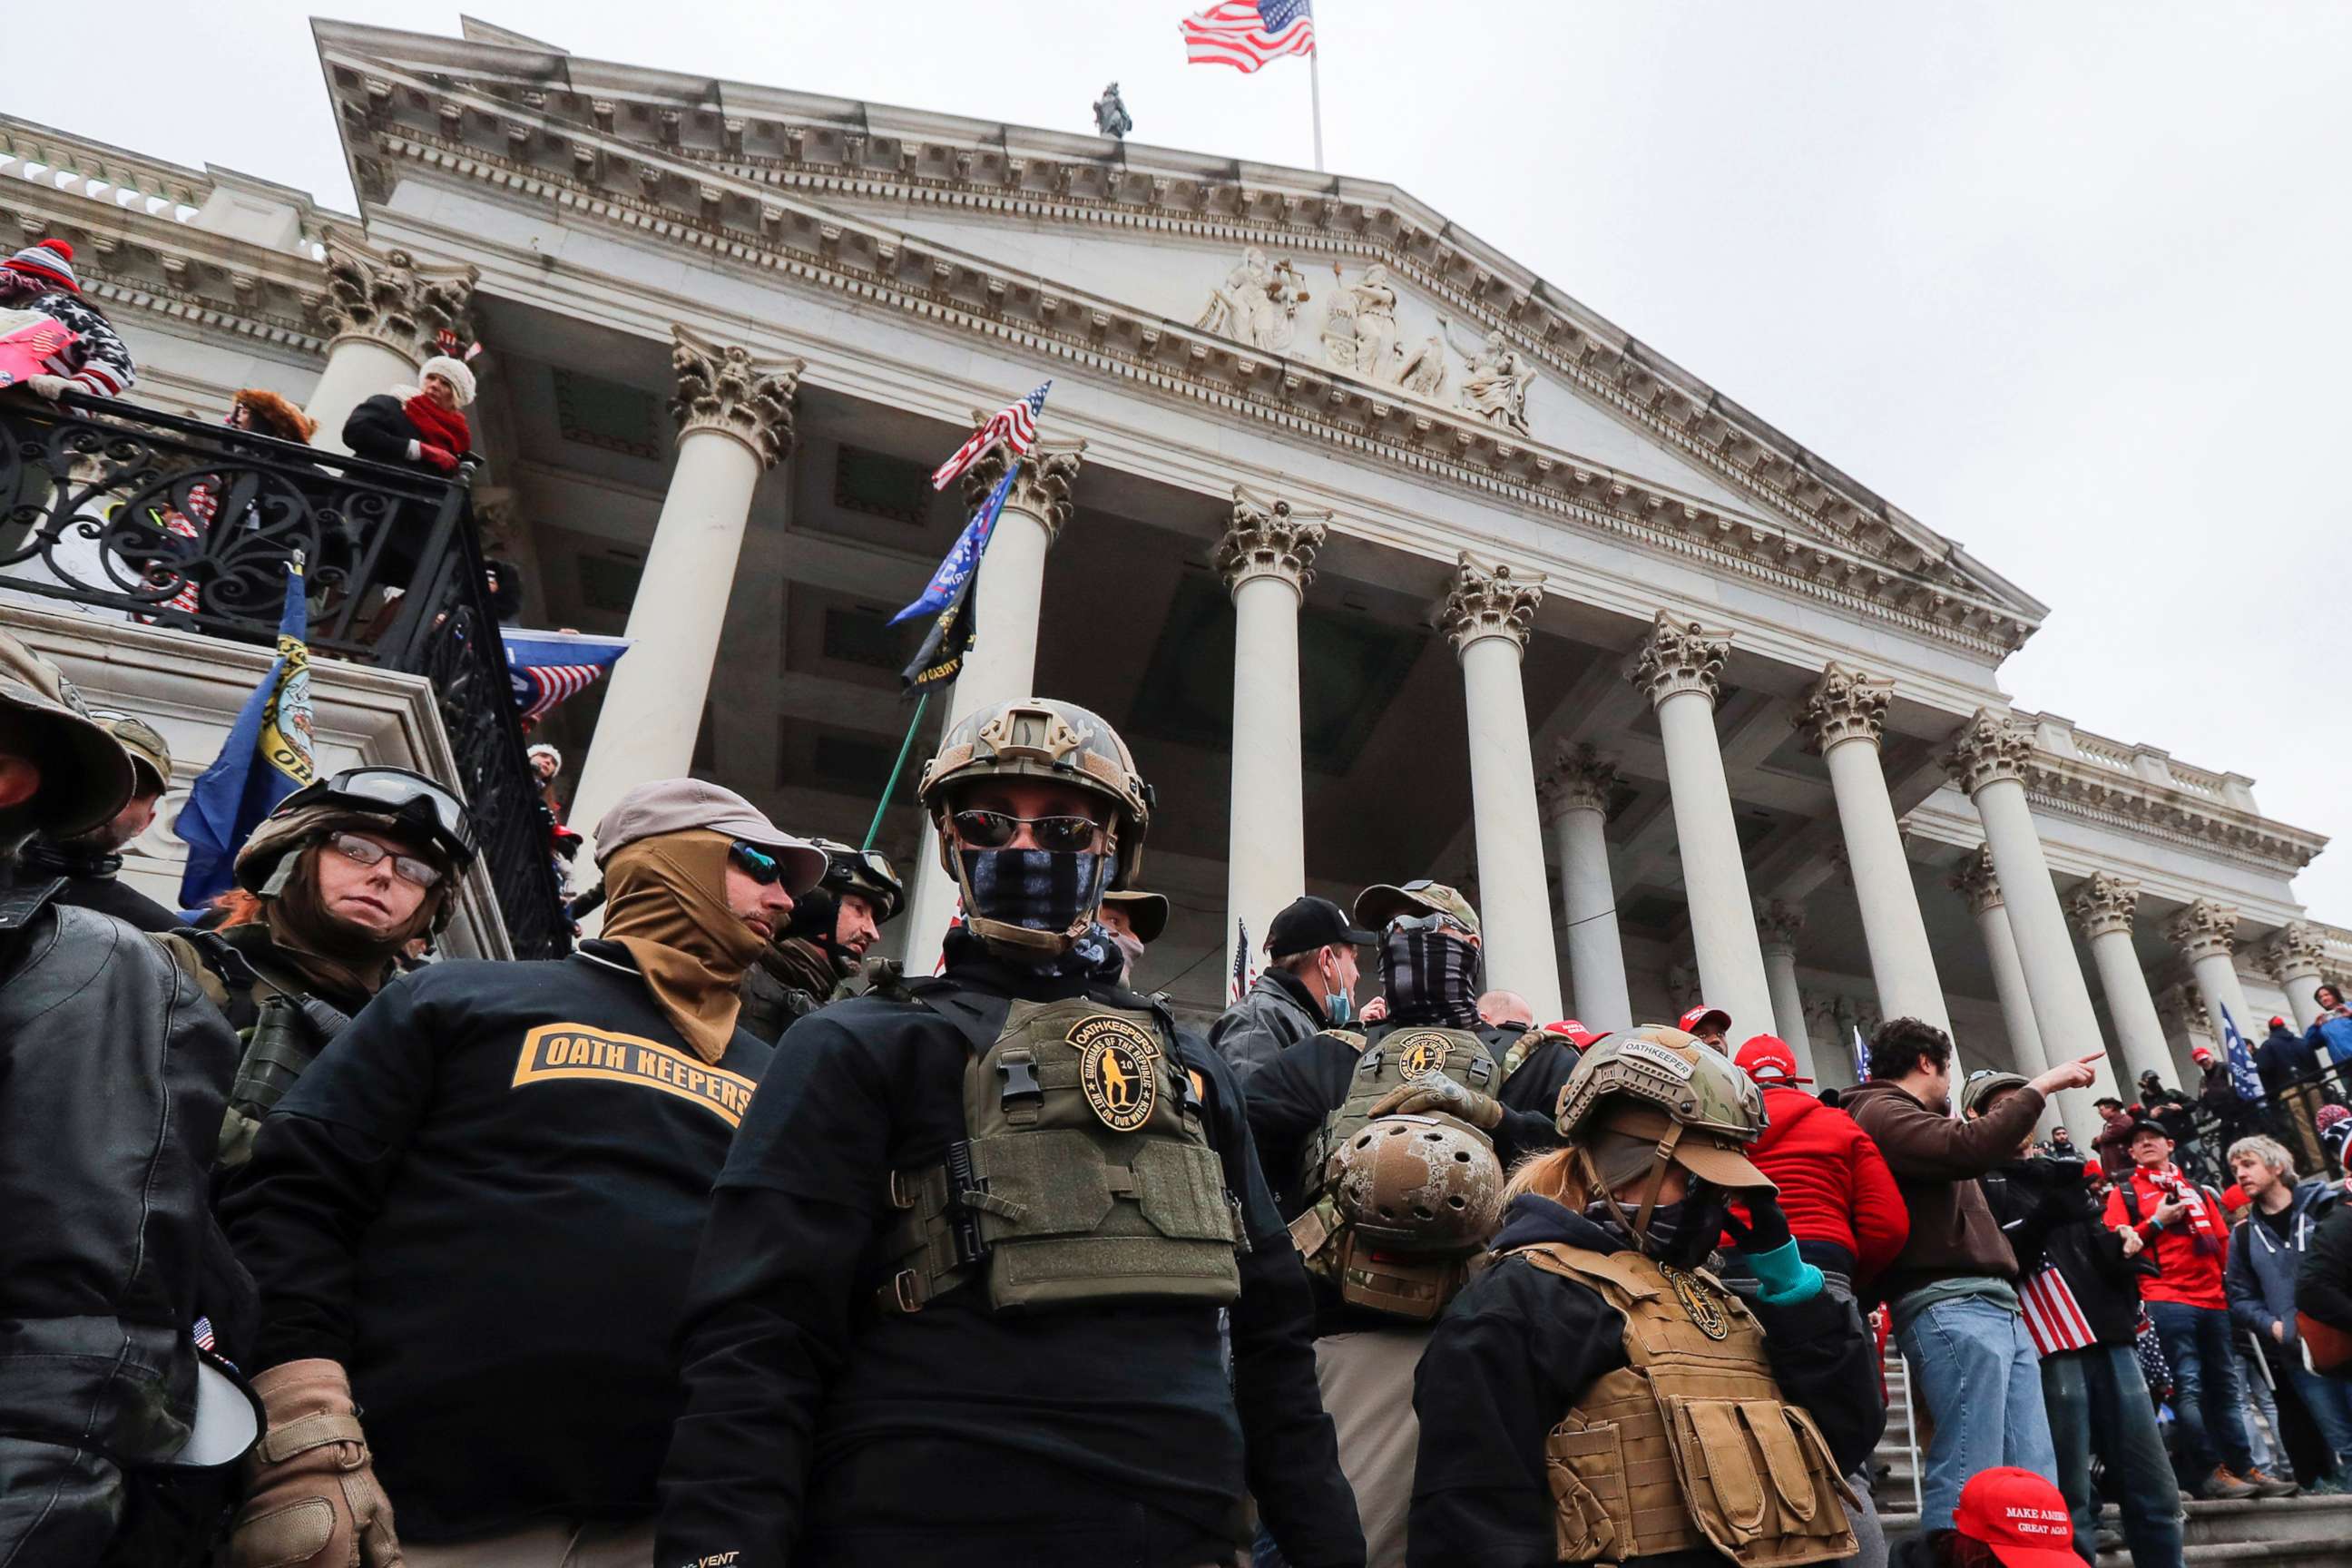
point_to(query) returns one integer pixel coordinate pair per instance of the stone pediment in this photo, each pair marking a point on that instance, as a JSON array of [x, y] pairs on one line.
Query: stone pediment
[[1251, 287]]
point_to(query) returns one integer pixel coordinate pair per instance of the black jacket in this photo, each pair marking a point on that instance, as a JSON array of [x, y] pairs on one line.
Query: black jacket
[[1517, 1349], [2322, 1287], [1276, 1013], [2046, 1210], [818, 1430], [95, 882], [482, 1199], [112, 1074], [379, 428]]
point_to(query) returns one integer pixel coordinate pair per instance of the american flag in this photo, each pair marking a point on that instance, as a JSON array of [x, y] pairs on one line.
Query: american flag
[[545, 668], [1247, 34], [1016, 424], [1243, 976], [2052, 1317]]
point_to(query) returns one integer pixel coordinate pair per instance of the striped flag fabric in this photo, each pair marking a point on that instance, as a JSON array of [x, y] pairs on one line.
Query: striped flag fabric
[[545, 668], [1249, 34], [1243, 976], [1016, 424], [2052, 1316]]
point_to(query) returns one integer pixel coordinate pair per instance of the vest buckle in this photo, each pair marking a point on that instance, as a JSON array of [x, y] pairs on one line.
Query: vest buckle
[[1019, 1073], [906, 1292]]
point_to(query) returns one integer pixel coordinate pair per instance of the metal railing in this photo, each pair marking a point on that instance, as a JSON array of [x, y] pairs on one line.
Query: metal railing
[[2287, 1113], [176, 522]]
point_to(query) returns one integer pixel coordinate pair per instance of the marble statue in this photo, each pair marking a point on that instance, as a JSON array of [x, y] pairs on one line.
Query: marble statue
[[1495, 387], [1257, 303], [1111, 118], [1361, 331]]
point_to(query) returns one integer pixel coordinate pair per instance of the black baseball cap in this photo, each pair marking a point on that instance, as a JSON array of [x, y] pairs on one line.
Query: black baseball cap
[[2140, 1124], [1310, 923]]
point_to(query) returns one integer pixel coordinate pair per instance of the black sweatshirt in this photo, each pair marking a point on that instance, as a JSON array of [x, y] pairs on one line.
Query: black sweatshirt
[[820, 1431], [483, 1201], [1517, 1349], [2051, 1219]]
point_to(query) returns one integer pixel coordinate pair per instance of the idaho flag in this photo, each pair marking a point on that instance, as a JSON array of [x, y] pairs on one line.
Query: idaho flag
[[266, 757]]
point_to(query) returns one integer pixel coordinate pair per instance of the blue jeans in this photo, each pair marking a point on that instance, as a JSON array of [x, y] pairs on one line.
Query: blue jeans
[[1974, 1369], [2206, 1397], [2098, 1404], [2330, 1400]]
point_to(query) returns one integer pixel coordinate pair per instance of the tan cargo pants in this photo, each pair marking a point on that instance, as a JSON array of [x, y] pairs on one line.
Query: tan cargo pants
[[1367, 1380], [555, 1545]]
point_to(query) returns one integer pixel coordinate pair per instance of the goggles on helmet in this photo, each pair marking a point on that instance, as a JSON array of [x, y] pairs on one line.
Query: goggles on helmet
[[397, 793]]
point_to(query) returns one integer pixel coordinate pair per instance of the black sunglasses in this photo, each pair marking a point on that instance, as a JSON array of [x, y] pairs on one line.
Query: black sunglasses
[[758, 864], [995, 830]]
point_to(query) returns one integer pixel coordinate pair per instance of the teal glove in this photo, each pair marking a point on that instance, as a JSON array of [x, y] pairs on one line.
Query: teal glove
[[1787, 1279]]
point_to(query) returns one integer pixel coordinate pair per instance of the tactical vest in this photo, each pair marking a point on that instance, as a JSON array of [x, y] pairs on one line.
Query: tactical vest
[[1085, 1176], [1690, 1444], [288, 1032], [1416, 1287]]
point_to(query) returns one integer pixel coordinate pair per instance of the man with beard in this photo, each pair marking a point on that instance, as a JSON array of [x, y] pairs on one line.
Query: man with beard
[[472, 1220], [91, 862], [813, 959], [331, 887], [115, 1073], [962, 1292]]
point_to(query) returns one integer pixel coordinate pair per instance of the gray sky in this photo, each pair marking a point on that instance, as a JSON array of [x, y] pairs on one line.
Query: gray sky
[[2066, 282]]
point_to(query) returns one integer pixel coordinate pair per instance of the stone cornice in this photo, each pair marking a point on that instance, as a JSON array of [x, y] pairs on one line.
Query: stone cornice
[[2074, 787], [490, 132]]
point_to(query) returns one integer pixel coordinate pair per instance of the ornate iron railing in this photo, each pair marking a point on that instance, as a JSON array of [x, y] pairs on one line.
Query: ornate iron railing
[[180, 523]]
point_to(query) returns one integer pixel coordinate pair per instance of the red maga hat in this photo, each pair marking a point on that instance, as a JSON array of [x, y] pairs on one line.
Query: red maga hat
[[2020, 1515], [1767, 1059], [1575, 1034], [1700, 1015]]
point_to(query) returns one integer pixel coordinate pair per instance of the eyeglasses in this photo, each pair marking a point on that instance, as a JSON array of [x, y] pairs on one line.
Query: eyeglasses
[[995, 830], [368, 852], [1434, 920], [400, 794], [758, 864]]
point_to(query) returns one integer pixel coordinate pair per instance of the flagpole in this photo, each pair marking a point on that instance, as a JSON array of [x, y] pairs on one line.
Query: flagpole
[[897, 768], [1315, 89]]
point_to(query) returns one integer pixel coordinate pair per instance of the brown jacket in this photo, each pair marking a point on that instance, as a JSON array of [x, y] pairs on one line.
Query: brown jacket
[[1937, 1160]]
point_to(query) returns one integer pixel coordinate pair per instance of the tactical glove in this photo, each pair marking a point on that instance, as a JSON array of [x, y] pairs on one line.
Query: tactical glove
[[311, 1498], [1434, 1094], [1767, 1229]]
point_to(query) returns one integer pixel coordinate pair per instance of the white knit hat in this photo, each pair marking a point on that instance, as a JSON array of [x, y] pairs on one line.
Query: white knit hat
[[455, 372]]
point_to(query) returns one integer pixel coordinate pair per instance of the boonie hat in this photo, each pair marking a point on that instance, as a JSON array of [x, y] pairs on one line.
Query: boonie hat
[[1690, 1021], [687, 805], [149, 752], [1146, 912], [2021, 1516], [85, 775], [1309, 922], [1767, 1059], [1382, 902]]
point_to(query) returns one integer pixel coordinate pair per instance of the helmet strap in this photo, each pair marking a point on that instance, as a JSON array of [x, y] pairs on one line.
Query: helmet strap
[[1663, 1157]]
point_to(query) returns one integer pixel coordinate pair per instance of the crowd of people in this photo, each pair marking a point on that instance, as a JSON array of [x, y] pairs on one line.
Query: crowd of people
[[723, 1242]]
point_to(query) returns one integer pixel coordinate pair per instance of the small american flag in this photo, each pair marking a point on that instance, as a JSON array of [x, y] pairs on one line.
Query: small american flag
[[1243, 976], [1016, 424], [2052, 1317], [1248, 33]]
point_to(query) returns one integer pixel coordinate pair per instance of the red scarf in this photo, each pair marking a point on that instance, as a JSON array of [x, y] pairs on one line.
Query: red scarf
[[439, 427], [2167, 1179]]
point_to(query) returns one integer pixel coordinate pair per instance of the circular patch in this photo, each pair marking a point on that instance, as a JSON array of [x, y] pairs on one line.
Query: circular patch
[[1698, 1302], [1424, 1052], [1118, 1071]]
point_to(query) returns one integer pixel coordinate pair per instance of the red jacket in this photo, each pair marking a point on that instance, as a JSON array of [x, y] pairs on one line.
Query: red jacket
[[1834, 1183], [2186, 1272]]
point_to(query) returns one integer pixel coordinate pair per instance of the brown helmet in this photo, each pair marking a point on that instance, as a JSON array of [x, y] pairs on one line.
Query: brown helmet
[[1418, 1184]]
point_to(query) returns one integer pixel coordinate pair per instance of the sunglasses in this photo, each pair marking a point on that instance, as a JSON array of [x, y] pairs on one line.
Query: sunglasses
[[368, 852], [995, 830], [757, 863], [1431, 921]]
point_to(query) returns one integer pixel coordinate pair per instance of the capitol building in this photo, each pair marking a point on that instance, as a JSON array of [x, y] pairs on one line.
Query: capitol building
[[1388, 558]]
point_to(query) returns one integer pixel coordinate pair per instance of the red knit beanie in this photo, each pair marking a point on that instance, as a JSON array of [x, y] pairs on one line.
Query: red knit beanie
[[51, 260]]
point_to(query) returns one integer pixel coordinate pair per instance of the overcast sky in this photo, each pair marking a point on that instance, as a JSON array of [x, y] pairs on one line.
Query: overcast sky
[[2067, 280]]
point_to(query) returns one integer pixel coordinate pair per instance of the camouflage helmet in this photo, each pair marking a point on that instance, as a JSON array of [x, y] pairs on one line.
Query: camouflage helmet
[[1418, 1184], [1659, 1082], [1044, 738]]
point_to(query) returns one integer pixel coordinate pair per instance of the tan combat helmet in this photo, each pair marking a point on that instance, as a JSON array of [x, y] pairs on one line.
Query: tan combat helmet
[[1059, 743], [1418, 1184], [1660, 1084]]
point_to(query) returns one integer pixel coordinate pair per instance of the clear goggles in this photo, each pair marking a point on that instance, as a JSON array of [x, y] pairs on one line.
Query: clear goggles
[[398, 793]]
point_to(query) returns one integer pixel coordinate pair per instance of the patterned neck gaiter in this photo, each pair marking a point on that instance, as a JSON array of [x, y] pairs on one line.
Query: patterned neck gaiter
[[1045, 890], [1430, 979]]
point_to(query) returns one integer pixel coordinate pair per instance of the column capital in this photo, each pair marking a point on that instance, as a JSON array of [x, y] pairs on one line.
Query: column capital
[[1489, 601], [1975, 881], [1680, 656], [1843, 705], [1778, 926], [1579, 780], [720, 388], [1269, 538], [2182, 1006], [2297, 951], [2104, 905], [2205, 929], [384, 296], [1042, 488], [1988, 750]]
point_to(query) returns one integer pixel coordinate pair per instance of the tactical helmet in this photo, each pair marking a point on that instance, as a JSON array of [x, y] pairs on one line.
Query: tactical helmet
[[1418, 1184], [1659, 1082], [866, 873], [382, 799]]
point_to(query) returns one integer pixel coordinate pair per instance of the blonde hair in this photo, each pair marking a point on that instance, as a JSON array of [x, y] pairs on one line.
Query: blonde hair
[[2270, 1151], [1553, 1174]]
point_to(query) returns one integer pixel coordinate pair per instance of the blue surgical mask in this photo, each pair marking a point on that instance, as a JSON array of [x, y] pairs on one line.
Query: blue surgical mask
[[1338, 1004]]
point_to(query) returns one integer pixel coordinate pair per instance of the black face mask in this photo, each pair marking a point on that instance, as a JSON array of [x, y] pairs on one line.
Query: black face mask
[[1681, 1234], [1430, 979], [1045, 890]]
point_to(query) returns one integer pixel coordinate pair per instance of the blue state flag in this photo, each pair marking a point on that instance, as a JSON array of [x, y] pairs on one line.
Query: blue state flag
[[2241, 1057], [266, 757], [947, 583]]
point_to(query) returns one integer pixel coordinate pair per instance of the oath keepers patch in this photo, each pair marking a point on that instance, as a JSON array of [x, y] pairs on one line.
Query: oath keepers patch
[[1421, 1053], [558, 1051], [1699, 1303], [1119, 1069]]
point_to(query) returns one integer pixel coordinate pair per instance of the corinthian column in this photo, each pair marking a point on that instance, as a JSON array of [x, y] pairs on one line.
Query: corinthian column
[[1778, 928], [1488, 617], [2295, 958], [382, 311], [1843, 719], [1003, 663], [1974, 882], [1680, 670], [2206, 934], [735, 422], [1267, 558], [2103, 909], [1575, 795], [1989, 758]]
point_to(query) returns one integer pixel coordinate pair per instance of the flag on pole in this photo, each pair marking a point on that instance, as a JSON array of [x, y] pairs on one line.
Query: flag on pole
[[1243, 976], [1016, 424], [266, 757], [545, 668], [956, 569], [953, 598], [2241, 1057], [1249, 34], [1860, 1057]]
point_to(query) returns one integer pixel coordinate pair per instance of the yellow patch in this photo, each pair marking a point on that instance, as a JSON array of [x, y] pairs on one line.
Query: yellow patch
[[1422, 1053], [1118, 1068], [554, 1051], [1698, 1302]]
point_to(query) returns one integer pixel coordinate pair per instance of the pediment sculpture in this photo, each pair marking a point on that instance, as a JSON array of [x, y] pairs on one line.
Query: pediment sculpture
[[1360, 334], [1258, 302], [1496, 386]]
